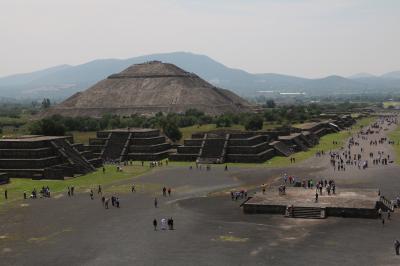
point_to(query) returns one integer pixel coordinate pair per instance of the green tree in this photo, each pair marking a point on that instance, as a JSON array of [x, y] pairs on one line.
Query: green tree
[[255, 122], [223, 121], [172, 131], [48, 127]]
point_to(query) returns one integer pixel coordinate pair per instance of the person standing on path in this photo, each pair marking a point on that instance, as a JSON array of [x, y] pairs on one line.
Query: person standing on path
[[106, 203]]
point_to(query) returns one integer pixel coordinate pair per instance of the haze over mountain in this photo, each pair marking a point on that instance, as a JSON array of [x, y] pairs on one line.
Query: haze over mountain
[[62, 81]]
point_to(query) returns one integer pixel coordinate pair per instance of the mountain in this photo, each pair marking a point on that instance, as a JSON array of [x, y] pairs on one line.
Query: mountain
[[63, 81], [392, 75], [361, 75]]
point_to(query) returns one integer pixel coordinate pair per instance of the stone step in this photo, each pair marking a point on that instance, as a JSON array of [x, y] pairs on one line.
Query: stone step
[[307, 213]]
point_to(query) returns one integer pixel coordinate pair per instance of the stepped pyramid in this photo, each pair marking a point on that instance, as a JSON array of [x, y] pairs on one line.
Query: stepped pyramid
[[149, 88]]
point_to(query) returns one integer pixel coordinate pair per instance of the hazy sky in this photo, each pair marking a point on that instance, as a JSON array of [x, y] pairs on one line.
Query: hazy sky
[[309, 38]]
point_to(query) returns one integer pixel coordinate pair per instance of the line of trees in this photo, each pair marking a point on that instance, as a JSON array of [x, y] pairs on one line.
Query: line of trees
[[170, 123]]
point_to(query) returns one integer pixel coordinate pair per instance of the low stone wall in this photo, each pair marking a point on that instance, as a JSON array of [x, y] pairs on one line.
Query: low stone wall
[[148, 141], [147, 156], [188, 149], [146, 134], [351, 212], [95, 148], [149, 148], [248, 149], [26, 173], [27, 153], [264, 209], [22, 144], [330, 211], [193, 142], [250, 158], [183, 157], [29, 163], [248, 142]]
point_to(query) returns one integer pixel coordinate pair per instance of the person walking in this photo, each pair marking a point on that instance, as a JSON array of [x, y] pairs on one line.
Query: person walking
[[397, 247], [155, 203], [5, 194], [91, 194], [169, 191], [133, 188], [155, 224]]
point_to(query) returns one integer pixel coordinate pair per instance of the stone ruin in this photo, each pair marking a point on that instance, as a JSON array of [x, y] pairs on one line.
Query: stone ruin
[[147, 89], [45, 157], [255, 147], [130, 144]]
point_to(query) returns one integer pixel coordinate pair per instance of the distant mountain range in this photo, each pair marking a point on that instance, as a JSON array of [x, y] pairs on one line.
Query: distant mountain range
[[62, 81]]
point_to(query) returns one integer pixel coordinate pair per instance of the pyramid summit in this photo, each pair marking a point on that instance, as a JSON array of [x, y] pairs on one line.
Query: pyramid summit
[[149, 88]]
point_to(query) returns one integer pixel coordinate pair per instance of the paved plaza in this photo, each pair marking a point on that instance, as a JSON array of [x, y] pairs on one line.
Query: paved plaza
[[209, 227]]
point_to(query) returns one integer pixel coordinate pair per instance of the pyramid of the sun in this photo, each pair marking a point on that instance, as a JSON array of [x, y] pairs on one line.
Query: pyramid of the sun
[[149, 88]]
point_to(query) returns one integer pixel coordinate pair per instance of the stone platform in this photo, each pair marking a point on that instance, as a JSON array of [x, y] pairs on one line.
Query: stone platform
[[356, 203]]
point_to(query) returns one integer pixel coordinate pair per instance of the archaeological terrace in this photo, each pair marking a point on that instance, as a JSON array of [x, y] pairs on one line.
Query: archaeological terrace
[[130, 144], [221, 146], [44, 157]]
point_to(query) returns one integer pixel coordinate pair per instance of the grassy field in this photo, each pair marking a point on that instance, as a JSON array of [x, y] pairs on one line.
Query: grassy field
[[82, 137], [395, 136], [390, 103], [18, 186]]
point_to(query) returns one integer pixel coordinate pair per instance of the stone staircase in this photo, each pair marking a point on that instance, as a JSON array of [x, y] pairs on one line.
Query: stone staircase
[[386, 204], [212, 150], [281, 148], [74, 156], [125, 150], [305, 212], [300, 144], [115, 145]]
